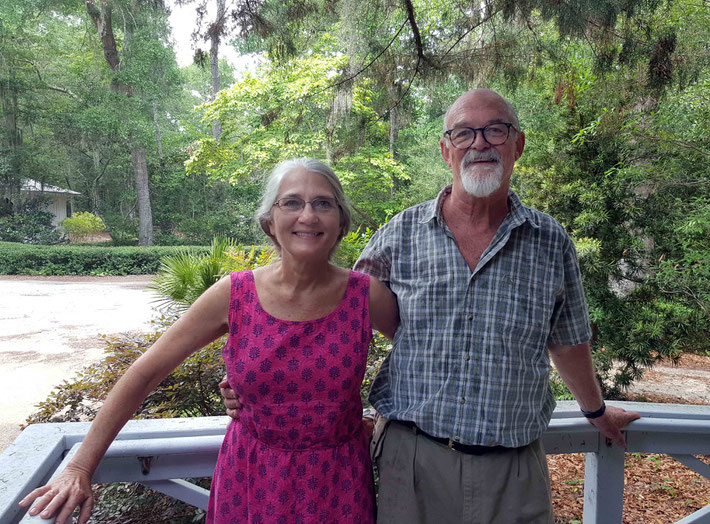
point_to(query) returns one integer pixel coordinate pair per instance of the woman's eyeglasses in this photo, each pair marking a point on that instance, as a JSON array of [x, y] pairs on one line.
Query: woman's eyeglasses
[[319, 205]]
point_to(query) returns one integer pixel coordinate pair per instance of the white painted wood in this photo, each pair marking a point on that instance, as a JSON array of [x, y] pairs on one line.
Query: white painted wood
[[188, 447]]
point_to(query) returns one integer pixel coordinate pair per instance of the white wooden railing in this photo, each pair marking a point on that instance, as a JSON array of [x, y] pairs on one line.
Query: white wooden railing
[[161, 453]]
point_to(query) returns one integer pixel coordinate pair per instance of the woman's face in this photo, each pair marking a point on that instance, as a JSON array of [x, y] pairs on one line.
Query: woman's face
[[311, 231]]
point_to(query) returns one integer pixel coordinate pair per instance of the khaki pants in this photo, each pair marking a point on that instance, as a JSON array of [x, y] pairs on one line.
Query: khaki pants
[[422, 481]]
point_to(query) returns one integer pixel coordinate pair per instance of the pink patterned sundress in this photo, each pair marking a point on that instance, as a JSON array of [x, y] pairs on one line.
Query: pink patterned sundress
[[298, 453]]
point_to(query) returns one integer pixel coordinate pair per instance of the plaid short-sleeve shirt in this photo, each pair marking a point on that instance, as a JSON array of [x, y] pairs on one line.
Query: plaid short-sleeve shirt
[[470, 359]]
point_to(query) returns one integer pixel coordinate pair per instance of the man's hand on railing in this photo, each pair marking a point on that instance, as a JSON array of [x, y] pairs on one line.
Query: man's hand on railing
[[71, 488], [231, 402], [611, 422]]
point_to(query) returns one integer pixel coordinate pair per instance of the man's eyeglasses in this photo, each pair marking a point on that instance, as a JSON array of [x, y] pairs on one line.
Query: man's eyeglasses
[[464, 137], [319, 205]]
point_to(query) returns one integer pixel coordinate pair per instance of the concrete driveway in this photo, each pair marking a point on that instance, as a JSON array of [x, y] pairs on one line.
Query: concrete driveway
[[50, 328]]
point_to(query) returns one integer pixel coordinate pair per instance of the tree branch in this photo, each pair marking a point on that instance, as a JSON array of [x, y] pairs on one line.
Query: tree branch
[[62, 90], [415, 30], [49, 86], [102, 20], [364, 215], [366, 67]]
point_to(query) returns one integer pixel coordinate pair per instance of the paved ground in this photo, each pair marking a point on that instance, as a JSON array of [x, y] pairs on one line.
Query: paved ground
[[49, 329], [687, 383]]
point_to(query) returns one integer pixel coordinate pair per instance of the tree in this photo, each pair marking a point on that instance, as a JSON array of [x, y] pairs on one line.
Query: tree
[[133, 64], [596, 83]]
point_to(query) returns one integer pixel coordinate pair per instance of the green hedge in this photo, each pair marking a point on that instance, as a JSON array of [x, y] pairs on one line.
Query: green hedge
[[24, 259]]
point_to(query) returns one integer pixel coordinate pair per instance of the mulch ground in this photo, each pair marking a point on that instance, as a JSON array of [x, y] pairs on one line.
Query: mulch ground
[[657, 488]]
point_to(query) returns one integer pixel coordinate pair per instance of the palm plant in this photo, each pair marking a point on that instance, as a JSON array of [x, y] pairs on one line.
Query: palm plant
[[184, 277]]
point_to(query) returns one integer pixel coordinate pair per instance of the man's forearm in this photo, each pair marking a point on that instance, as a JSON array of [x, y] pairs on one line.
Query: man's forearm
[[574, 364]]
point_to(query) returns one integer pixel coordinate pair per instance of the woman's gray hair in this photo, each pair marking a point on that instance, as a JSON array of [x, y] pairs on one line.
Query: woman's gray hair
[[273, 184]]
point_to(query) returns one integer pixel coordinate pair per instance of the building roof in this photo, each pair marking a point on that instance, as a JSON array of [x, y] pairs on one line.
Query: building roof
[[32, 186]]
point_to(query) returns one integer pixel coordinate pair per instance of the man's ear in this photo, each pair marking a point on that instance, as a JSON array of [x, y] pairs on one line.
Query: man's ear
[[519, 145], [445, 153]]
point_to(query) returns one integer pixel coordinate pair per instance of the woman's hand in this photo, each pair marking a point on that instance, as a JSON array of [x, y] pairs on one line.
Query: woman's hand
[[71, 488], [231, 402]]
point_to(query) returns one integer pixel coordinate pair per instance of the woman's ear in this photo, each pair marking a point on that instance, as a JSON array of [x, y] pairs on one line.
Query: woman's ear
[[269, 228]]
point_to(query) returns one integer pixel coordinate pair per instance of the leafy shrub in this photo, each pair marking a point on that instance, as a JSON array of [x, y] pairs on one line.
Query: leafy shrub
[[185, 276], [32, 228], [125, 502], [351, 246], [83, 224], [189, 391], [18, 259]]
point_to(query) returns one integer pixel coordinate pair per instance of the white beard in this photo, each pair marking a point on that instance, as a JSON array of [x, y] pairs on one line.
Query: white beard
[[480, 180]]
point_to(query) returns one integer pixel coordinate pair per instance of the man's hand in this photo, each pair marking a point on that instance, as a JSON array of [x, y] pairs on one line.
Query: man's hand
[[611, 422], [231, 402]]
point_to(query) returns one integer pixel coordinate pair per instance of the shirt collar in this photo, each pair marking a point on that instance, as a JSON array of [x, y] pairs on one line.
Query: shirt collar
[[517, 213]]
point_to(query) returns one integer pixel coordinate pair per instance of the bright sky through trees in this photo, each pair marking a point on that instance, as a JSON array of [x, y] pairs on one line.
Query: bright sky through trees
[[182, 22]]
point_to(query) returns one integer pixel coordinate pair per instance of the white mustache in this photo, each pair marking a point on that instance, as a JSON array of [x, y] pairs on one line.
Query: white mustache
[[473, 156]]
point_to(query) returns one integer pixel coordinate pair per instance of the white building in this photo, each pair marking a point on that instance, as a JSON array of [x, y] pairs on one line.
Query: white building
[[60, 205]]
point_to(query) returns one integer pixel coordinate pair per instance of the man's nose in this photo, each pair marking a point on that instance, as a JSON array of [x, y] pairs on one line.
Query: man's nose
[[479, 142]]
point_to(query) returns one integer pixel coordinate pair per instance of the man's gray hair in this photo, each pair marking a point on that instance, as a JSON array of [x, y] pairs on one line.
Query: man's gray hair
[[511, 110], [273, 184]]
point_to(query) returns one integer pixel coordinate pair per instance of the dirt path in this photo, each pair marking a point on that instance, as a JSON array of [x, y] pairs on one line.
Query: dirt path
[[50, 328], [686, 383]]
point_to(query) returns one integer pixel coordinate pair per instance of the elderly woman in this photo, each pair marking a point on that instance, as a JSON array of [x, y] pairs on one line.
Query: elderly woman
[[299, 330]]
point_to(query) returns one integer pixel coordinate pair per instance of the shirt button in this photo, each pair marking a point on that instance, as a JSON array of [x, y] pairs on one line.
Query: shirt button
[[462, 400], [467, 357], [470, 317]]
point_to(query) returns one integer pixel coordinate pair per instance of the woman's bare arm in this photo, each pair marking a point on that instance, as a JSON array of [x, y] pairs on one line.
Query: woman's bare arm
[[204, 322], [384, 313]]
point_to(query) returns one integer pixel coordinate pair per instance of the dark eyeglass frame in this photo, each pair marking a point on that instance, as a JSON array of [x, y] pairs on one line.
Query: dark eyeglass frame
[[475, 130], [332, 201]]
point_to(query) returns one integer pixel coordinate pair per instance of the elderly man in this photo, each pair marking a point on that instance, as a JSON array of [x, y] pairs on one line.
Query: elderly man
[[488, 291]]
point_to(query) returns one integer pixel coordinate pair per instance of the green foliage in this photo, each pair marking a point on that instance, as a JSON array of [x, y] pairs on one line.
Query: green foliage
[[190, 390], [376, 354], [32, 228], [351, 246], [123, 502], [185, 276], [83, 224], [19, 259], [28, 222], [612, 97], [283, 110], [628, 179]]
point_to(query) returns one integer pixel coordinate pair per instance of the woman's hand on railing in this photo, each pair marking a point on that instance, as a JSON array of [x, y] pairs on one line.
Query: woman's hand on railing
[[71, 488]]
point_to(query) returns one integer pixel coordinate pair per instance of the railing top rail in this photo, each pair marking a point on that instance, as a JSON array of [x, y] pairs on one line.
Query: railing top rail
[[39, 450]]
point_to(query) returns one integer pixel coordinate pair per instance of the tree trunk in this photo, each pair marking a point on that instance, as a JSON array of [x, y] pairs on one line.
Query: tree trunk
[[10, 143], [215, 33], [158, 138], [101, 16], [145, 218], [396, 123], [394, 93]]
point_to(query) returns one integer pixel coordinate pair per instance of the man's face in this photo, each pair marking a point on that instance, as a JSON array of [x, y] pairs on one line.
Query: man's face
[[482, 169]]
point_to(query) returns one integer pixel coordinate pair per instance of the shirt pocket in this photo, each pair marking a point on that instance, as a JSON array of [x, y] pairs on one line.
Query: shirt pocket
[[525, 324]]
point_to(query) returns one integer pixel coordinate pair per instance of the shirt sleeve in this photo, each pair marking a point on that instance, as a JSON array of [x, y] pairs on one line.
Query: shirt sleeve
[[569, 324], [373, 260]]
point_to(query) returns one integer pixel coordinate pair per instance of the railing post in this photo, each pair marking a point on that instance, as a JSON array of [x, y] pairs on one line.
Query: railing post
[[604, 484]]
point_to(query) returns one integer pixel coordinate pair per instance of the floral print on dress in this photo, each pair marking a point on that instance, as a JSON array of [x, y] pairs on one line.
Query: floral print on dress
[[298, 453]]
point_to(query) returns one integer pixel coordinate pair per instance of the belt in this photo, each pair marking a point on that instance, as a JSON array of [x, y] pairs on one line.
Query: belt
[[468, 449]]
